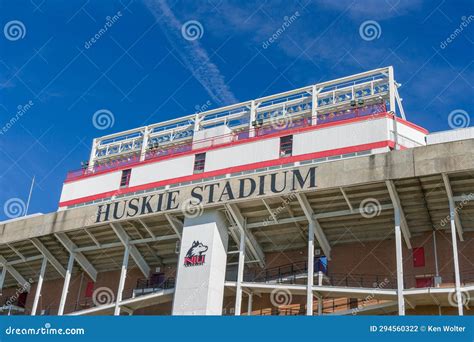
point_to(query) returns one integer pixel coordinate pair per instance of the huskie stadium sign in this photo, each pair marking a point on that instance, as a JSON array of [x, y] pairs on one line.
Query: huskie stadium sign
[[281, 182]]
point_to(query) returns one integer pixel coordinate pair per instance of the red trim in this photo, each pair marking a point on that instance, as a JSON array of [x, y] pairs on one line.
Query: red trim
[[292, 159], [412, 125], [245, 141]]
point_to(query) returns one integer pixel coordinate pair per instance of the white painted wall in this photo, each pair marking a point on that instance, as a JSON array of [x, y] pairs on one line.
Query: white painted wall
[[340, 136], [408, 136], [91, 186], [243, 154], [452, 135], [166, 169]]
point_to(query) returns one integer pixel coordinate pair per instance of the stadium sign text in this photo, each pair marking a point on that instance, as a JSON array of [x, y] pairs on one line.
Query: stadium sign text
[[282, 182]]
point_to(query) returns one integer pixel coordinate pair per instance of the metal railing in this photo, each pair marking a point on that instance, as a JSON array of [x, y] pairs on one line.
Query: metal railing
[[152, 153]]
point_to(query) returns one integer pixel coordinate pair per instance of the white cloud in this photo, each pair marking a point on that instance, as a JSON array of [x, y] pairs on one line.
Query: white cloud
[[192, 54]]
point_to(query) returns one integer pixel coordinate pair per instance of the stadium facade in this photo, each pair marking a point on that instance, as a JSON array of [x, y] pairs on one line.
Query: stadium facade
[[323, 200]]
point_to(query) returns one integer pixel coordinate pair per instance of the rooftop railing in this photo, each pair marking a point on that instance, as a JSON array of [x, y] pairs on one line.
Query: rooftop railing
[[275, 126]]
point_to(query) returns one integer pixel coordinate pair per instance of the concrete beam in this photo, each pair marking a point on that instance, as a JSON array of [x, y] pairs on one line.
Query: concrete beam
[[318, 230], [449, 192], [80, 258], [176, 224], [47, 254], [397, 204], [250, 241], [15, 274], [134, 252]]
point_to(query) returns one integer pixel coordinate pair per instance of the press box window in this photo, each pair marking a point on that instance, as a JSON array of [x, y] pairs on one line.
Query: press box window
[[125, 179], [199, 162], [286, 146]]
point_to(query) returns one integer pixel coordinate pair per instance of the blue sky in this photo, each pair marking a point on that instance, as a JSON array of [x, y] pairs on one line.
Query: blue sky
[[143, 70]]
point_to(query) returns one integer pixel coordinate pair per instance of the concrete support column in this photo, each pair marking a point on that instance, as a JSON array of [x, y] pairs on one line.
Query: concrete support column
[[399, 256], [123, 276], [2, 278], [67, 279], [457, 276], [309, 289], [202, 265], [39, 286], [250, 304], [240, 274], [320, 305]]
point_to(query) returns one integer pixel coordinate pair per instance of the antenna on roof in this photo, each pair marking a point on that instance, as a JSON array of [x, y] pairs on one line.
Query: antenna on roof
[[29, 196]]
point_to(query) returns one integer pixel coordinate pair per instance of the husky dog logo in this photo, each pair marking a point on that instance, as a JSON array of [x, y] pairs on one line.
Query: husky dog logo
[[195, 255]]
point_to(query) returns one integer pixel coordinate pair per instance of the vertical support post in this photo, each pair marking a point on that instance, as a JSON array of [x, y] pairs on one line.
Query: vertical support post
[[67, 280], [314, 105], [123, 276], [146, 134], [250, 304], [435, 250], [253, 116], [2, 278], [92, 156], [39, 286], [391, 85], [399, 256], [240, 274], [320, 305], [457, 277], [309, 289]]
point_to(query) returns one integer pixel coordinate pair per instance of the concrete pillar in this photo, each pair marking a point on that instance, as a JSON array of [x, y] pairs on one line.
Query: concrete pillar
[[309, 289], [457, 276], [2, 278], [320, 305], [314, 106], [250, 304], [39, 286], [123, 276], [202, 265], [67, 279], [240, 274], [399, 257]]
